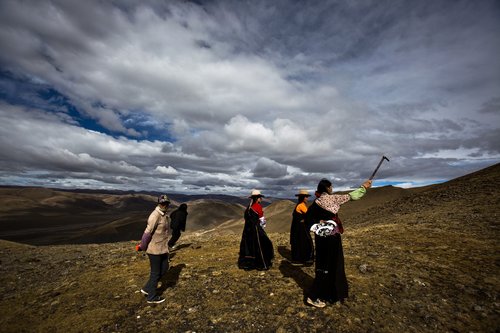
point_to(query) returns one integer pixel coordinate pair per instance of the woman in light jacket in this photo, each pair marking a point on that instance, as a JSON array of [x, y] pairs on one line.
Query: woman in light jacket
[[154, 242]]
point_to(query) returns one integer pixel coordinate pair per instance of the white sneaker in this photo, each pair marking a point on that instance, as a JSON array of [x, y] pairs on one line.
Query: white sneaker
[[156, 300], [316, 303]]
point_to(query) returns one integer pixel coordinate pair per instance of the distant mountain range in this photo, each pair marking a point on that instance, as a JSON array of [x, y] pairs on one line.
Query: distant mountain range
[[42, 216], [179, 197], [417, 260]]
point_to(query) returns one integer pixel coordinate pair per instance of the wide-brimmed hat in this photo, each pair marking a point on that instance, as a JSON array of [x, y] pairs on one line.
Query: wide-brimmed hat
[[163, 199], [303, 192], [256, 193]]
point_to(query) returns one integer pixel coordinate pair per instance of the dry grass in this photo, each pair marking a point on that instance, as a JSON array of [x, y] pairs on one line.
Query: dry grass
[[428, 262], [400, 281]]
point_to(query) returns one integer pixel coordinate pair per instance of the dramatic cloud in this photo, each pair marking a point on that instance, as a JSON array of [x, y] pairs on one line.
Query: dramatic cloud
[[269, 168], [166, 170], [227, 96]]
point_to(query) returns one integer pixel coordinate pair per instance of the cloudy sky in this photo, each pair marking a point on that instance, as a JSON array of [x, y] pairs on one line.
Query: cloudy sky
[[227, 96]]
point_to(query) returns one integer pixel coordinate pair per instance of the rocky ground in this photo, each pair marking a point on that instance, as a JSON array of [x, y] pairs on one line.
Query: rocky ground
[[402, 283], [424, 263]]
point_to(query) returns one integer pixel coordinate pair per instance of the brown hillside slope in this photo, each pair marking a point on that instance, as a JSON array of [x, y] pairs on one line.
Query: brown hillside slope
[[431, 269], [44, 216], [278, 215], [206, 214], [462, 202], [375, 198]]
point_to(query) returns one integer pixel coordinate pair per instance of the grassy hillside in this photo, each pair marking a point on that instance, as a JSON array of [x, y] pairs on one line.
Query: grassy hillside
[[426, 262], [207, 214]]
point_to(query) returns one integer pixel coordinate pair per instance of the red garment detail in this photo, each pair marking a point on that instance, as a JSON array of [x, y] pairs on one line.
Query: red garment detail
[[339, 223], [258, 209]]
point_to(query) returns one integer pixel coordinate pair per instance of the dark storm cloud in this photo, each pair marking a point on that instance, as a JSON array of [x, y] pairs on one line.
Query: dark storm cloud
[[269, 169], [491, 106], [227, 96]]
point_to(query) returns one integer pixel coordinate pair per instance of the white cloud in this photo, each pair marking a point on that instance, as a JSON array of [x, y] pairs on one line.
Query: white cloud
[[461, 153], [264, 94], [166, 170], [245, 135]]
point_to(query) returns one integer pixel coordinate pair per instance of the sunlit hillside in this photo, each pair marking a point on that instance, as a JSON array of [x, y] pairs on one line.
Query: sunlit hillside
[[426, 261]]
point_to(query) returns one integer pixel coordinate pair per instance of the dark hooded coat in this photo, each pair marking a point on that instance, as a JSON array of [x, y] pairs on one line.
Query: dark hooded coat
[[178, 218], [330, 282], [300, 239], [256, 249]]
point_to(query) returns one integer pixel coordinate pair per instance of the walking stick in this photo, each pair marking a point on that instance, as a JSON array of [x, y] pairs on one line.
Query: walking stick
[[378, 166]]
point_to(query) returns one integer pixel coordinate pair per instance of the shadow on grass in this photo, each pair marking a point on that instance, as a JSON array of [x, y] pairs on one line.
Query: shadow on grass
[[180, 246], [170, 279], [285, 252], [303, 280]]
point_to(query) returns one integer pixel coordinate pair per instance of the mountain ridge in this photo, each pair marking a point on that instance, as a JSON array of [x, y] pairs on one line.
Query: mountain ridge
[[427, 262], [40, 216]]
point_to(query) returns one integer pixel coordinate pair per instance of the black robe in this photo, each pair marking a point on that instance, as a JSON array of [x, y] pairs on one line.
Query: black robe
[[300, 239], [178, 219], [330, 282], [177, 223], [256, 249]]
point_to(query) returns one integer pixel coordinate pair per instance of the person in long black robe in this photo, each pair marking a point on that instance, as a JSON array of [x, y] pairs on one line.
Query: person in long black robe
[[301, 242], [178, 223], [256, 249], [330, 281]]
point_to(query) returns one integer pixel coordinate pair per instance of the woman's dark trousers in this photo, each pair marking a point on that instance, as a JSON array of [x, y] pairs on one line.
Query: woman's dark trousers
[[159, 266]]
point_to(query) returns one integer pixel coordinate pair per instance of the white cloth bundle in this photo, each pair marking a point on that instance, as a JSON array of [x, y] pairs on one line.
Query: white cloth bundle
[[325, 228]]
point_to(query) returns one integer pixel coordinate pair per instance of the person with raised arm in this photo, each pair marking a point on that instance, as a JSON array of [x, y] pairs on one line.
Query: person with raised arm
[[330, 282]]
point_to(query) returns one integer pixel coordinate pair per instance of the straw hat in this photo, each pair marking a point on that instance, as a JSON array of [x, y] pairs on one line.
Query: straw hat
[[256, 193], [303, 192]]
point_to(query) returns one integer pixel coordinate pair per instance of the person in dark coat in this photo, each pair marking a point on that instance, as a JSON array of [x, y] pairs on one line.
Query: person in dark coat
[[330, 282], [178, 223], [301, 241], [256, 249]]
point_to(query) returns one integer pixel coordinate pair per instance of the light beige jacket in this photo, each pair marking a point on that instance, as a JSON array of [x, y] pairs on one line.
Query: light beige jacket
[[158, 244]]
